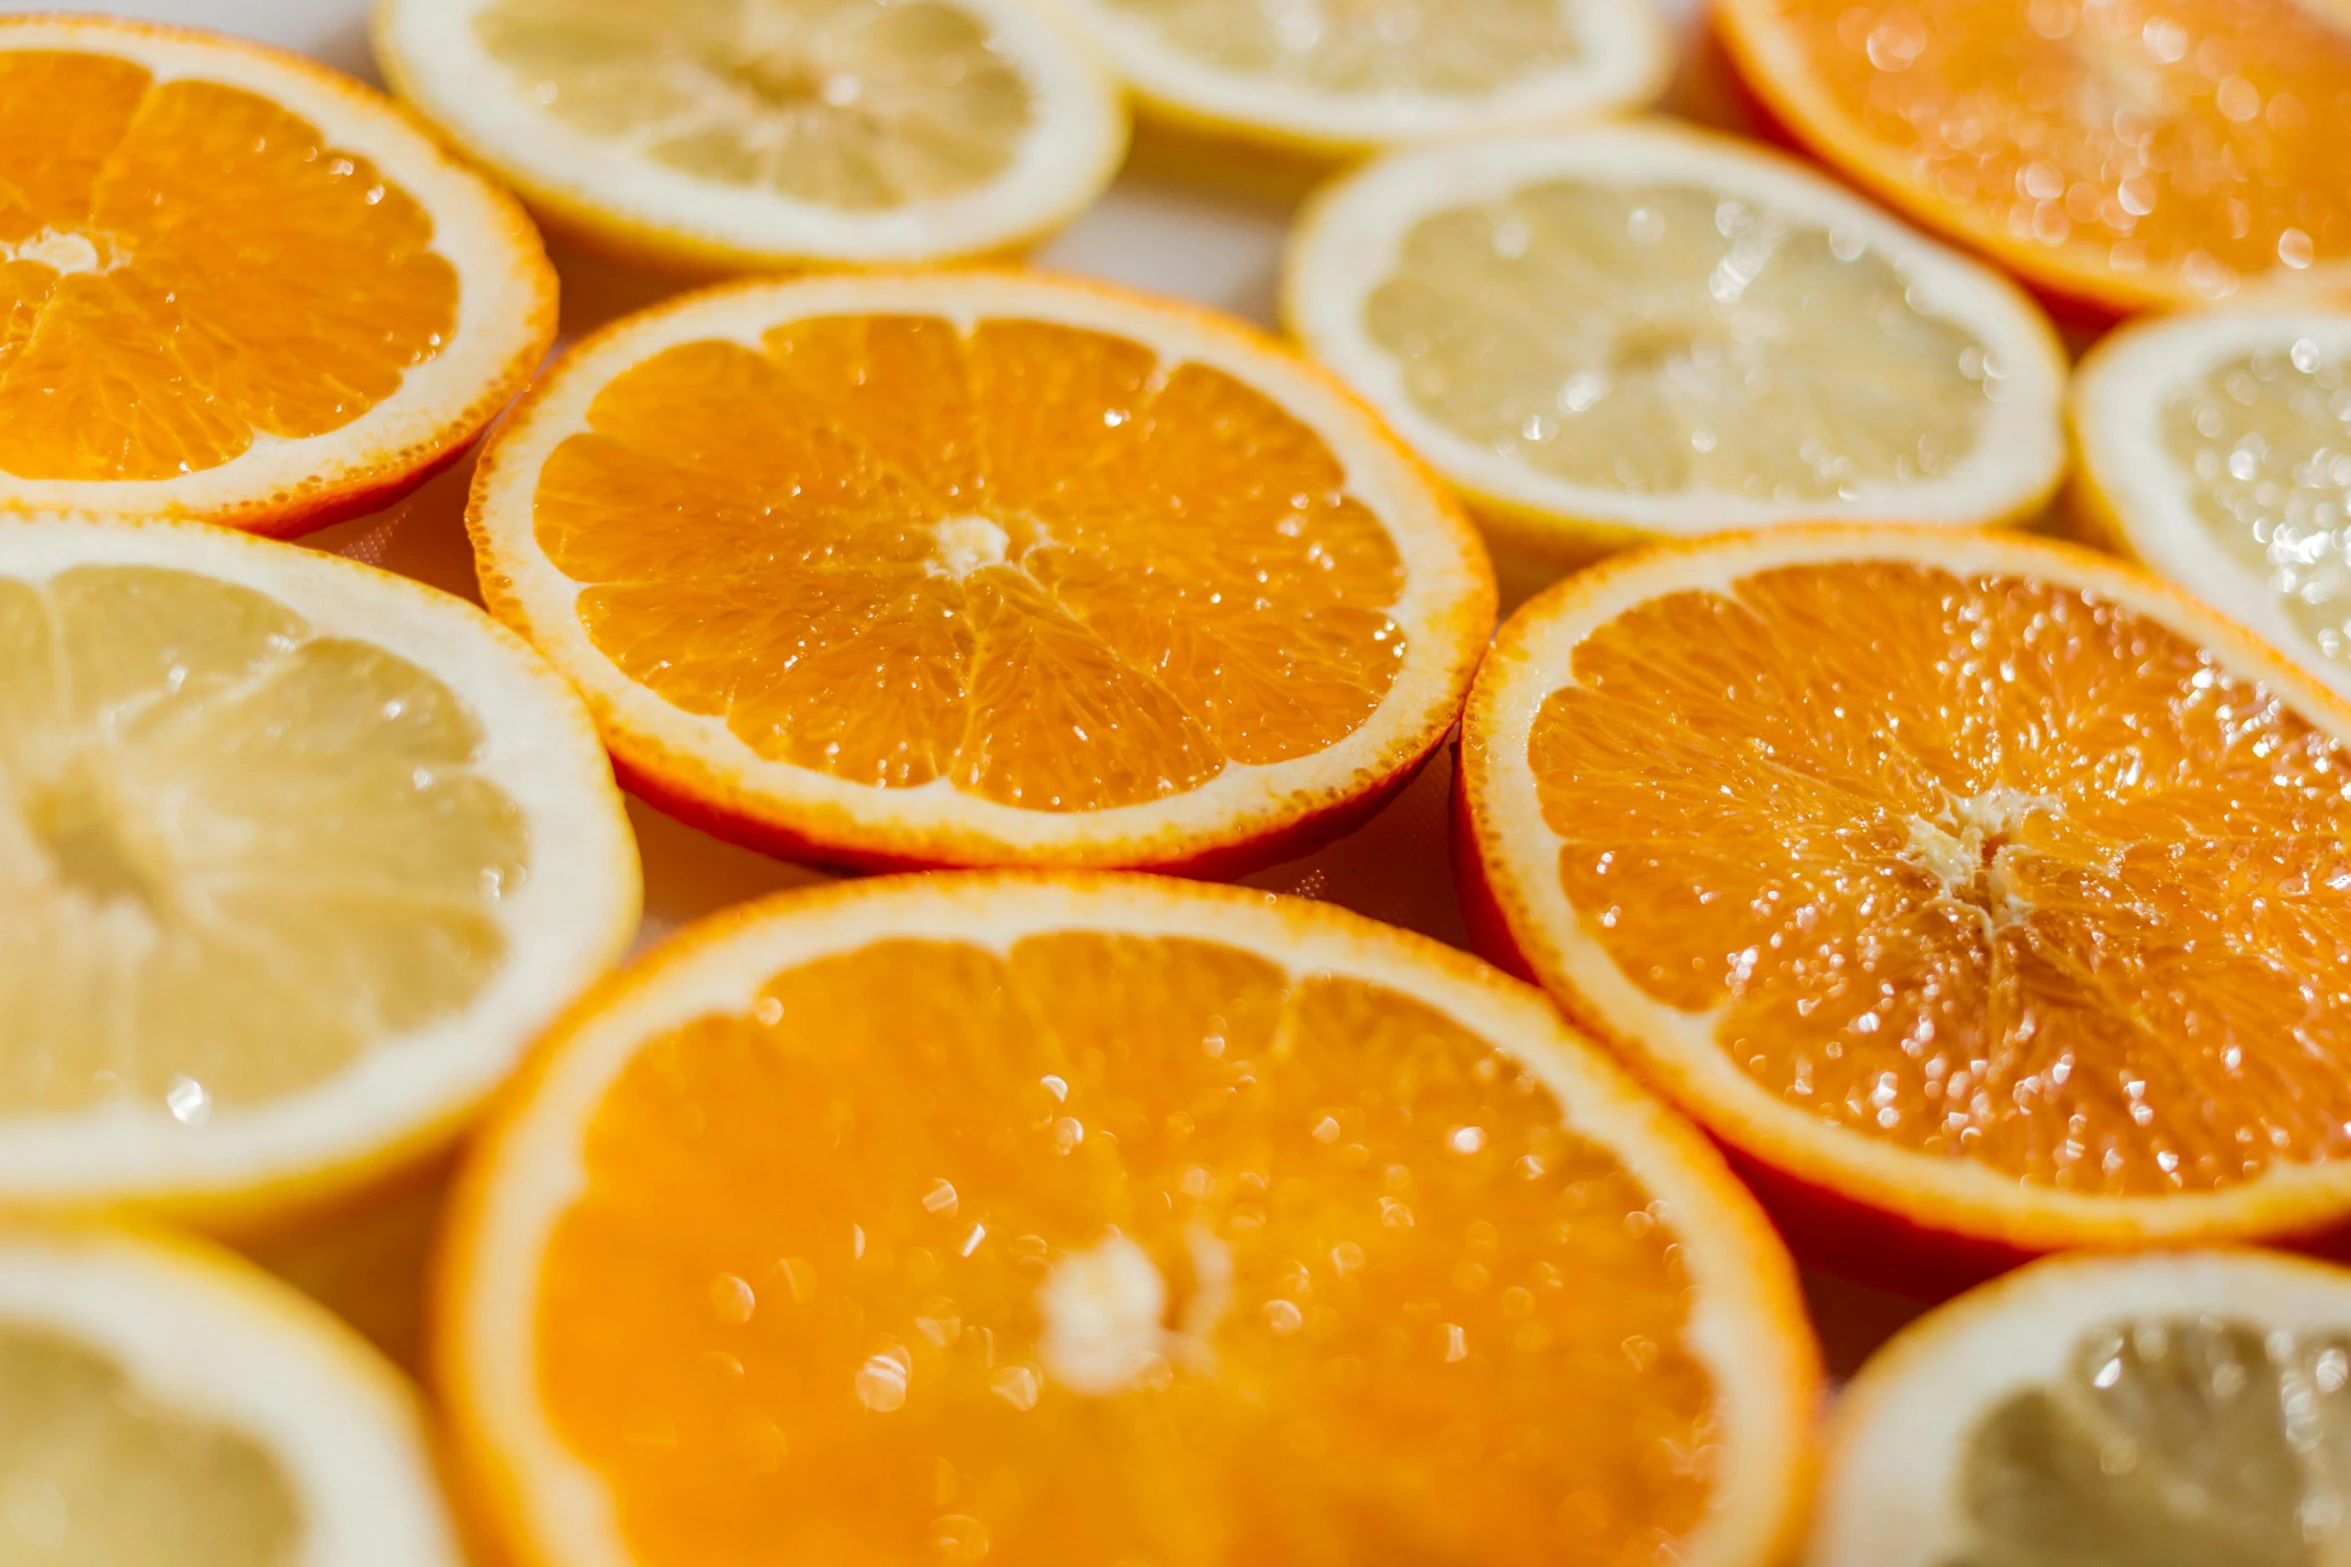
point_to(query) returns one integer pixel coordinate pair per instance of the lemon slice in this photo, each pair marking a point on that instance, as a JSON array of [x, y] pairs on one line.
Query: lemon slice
[[1630, 333], [2170, 1410], [764, 133], [1340, 78], [161, 1404], [295, 854], [2217, 449]]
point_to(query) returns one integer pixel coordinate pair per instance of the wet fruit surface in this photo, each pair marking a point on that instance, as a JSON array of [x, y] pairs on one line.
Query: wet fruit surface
[[2179, 147], [187, 268], [2167, 1442], [1114, 1248], [1978, 867], [2264, 443], [853, 104], [1667, 339], [1033, 561], [236, 851]]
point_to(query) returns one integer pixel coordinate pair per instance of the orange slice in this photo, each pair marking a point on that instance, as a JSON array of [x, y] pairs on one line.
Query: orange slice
[[1984, 896], [2122, 157], [237, 287], [1107, 1219], [2171, 1410], [160, 1402], [296, 856], [983, 569]]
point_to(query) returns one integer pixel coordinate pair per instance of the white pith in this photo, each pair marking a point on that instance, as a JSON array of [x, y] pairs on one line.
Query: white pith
[[501, 309], [196, 1335], [575, 910], [1237, 805], [1532, 658], [534, 1171], [1901, 1428], [1064, 159], [1351, 240], [1628, 54], [2118, 400]]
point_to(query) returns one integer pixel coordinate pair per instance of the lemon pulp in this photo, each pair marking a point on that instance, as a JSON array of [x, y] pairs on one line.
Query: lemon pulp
[[1370, 46], [2168, 1442], [2264, 443], [1668, 340], [235, 851], [853, 104], [95, 1474]]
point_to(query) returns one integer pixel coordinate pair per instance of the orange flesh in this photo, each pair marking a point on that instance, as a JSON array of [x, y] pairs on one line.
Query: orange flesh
[[1979, 868], [186, 266], [1113, 1249], [2191, 144], [1034, 560]]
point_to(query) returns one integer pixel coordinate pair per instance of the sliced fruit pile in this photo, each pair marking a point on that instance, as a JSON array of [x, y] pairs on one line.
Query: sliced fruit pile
[[2171, 1410], [237, 287], [2121, 157], [1108, 1219], [1332, 81], [977, 569], [769, 133], [296, 855], [1985, 897], [1622, 334], [160, 1403], [2217, 449]]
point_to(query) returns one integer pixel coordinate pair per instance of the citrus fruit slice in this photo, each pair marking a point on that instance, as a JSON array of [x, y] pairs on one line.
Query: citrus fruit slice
[[296, 856], [770, 133], [2168, 1410], [237, 287], [2216, 447], [1983, 896], [1625, 333], [977, 568], [2118, 157], [1339, 81], [159, 1403], [1105, 1218]]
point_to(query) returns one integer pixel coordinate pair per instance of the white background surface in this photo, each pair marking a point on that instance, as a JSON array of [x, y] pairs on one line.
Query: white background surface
[[1213, 246]]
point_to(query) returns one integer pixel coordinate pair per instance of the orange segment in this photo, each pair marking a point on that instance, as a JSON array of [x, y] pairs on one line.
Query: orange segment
[[1037, 564], [236, 287], [861, 454], [222, 271], [1103, 1238], [1985, 859], [2126, 155]]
